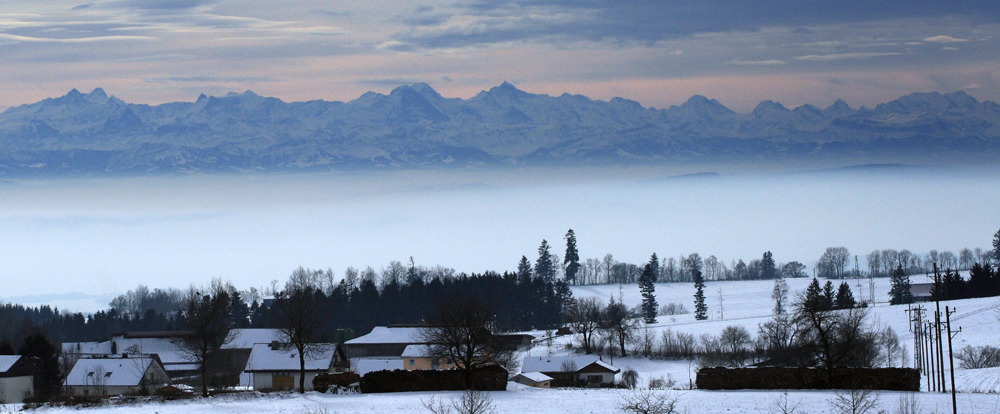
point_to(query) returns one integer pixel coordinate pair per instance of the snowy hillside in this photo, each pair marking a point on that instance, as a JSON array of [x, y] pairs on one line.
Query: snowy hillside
[[749, 303]]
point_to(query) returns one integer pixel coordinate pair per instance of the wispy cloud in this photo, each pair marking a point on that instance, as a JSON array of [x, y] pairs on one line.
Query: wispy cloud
[[769, 62], [944, 39], [845, 56]]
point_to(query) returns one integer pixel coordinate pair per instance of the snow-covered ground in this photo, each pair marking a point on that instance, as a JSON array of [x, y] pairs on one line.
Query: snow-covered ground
[[749, 303], [746, 303], [524, 400]]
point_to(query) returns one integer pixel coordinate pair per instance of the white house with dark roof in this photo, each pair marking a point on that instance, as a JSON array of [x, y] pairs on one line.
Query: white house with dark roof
[[16, 379], [275, 366], [116, 375], [571, 371]]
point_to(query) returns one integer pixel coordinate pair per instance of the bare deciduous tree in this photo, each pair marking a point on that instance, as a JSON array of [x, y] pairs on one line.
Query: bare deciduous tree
[[471, 402], [642, 401], [463, 329], [584, 317], [854, 401], [300, 316], [205, 314]]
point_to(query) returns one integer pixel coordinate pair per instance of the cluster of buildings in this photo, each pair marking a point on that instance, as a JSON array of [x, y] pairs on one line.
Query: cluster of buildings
[[147, 362]]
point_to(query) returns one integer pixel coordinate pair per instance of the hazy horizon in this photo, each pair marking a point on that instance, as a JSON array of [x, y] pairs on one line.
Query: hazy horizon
[[100, 237]]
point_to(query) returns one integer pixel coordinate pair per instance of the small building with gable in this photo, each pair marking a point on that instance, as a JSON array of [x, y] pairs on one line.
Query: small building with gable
[[16, 379], [275, 366], [116, 375], [572, 371]]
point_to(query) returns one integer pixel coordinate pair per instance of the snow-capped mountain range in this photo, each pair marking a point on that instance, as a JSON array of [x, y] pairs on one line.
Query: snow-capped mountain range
[[416, 127]]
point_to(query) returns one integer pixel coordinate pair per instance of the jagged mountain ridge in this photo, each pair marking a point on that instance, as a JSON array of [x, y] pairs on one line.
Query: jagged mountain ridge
[[414, 126]]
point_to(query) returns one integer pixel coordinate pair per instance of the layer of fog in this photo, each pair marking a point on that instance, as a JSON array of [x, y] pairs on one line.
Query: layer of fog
[[100, 237]]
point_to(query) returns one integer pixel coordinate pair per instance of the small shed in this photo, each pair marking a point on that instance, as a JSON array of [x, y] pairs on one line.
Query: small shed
[[534, 379], [16, 379]]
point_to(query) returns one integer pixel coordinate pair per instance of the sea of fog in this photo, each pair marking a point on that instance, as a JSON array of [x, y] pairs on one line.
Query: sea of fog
[[75, 243]]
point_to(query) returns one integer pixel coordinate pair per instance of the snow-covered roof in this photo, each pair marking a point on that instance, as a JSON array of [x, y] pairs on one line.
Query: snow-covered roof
[[124, 372], [8, 361], [365, 365], [416, 351], [555, 363], [536, 376], [247, 338], [101, 348], [389, 335], [286, 358]]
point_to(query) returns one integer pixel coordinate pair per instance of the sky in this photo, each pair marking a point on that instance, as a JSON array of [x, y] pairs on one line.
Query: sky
[[658, 53]]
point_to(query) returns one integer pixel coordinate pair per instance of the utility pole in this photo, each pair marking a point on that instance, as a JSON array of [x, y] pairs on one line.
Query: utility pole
[[916, 320], [951, 357], [722, 310], [937, 323], [931, 374]]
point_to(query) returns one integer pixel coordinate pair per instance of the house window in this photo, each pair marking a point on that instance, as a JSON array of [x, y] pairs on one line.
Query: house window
[[412, 362], [595, 379], [107, 374]]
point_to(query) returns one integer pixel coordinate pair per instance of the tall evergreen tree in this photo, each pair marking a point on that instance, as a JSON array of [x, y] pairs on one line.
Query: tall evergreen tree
[[814, 298], [845, 298], [524, 269], [572, 259], [544, 268], [900, 293], [647, 288], [996, 250], [700, 308], [768, 269], [828, 294]]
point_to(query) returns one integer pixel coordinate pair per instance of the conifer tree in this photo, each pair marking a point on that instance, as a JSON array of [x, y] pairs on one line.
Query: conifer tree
[[768, 269], [544, 268], [647, 288], [814, 300], [996, 250], [900, 292], [700, 309], [845, 298], [524, 268], [572, 259], [828, 294]]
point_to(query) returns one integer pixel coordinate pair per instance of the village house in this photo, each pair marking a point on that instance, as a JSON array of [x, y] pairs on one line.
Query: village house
[[419, 357], [16, 379], [178, 363], [385, 341], [572, 371], [534, 379], [275, 366], [116, 375]]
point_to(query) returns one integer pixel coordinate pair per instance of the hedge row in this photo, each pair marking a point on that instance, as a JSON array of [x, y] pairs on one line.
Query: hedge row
[[778, 378], [490, 378]]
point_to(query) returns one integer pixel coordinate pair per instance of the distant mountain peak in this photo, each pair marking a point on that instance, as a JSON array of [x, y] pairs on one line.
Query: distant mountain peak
[[839, 107], [767, 107], [701, 104]]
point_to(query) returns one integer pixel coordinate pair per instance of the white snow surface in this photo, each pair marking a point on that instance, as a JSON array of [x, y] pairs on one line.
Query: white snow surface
[[126, 372], [246, 338], [286, 358], [389, 335], [8, 361], [522, 399]]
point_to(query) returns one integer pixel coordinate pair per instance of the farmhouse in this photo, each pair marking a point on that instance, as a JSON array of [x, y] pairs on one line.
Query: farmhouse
[[112, 375], [16, 379], [275, 366], [572, 371], [385, 341], [178, 364], [419, 357]]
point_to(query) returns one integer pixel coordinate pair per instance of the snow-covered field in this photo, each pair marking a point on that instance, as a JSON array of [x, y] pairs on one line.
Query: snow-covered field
[[749, 303], [745, 303], [523, 400]]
